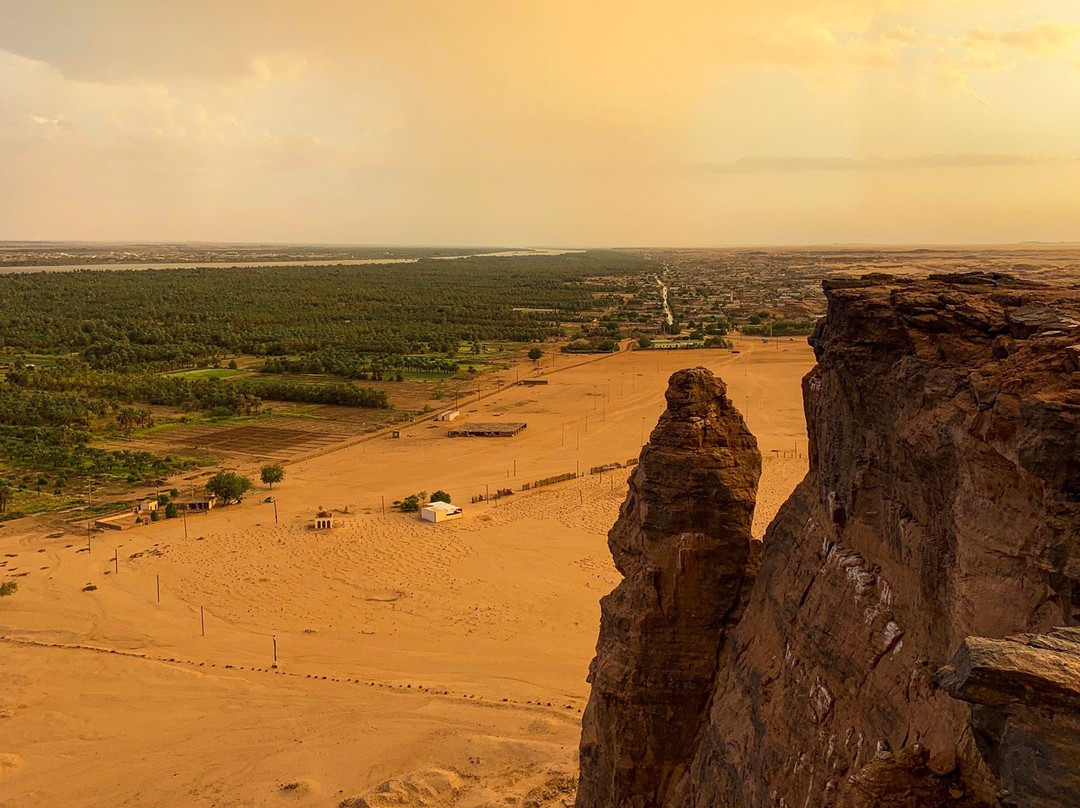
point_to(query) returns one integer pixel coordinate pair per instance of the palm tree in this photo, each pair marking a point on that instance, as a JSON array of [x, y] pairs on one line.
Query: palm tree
[[127, 418], [5, 497]]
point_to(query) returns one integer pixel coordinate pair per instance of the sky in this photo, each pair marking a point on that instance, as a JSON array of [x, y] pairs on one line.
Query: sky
[[541, 122]]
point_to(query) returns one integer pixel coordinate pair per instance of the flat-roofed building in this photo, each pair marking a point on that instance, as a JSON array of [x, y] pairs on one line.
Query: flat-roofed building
[[440, 512], [488, 429]]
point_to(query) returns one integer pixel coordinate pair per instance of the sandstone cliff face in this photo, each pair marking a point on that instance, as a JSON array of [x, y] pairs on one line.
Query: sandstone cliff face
[[942, 503], [683, 545]]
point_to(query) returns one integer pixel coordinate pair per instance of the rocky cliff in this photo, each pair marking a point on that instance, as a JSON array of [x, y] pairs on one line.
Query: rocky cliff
[[684, 530], [941, 513]]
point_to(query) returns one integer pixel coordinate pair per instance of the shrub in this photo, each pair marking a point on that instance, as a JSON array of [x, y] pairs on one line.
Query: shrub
[[440, 496], [8, 588]]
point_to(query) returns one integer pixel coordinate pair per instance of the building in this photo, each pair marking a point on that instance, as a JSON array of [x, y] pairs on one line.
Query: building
[[449, 415], [533, 382], [440, 512], [324, 520], [197, 503], [145, 508], [487, 429]]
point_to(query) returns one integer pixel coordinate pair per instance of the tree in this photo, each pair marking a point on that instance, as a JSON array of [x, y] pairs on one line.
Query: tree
[[5, 497], [644, 342], [273, 473], [8, 588], [410, 504], [227, 486], [535, 354], [440, 496], [171, 510], [127, 418]]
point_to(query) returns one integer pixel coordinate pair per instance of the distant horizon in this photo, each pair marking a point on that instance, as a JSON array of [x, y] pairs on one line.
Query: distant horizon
[[881, 245]]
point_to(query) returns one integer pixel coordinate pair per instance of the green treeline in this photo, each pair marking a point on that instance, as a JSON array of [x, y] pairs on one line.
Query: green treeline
[[165, 319], [356, 365], [97, 390]]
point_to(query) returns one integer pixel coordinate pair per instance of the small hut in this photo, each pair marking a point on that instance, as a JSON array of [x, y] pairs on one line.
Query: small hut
[[440, 512], [324, 520]]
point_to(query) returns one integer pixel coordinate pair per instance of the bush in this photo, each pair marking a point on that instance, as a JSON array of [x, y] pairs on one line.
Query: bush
[[440, 496], [171, 511], [8, 588], [410, 504]]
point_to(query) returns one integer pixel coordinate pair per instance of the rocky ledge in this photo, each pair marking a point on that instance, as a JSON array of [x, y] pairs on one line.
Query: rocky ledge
[[863, 660]]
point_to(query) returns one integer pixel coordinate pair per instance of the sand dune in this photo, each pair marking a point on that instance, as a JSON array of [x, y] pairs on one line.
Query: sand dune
[[417, 665]]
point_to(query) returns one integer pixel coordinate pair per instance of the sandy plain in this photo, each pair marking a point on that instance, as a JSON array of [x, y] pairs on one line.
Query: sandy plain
[[418, 665]]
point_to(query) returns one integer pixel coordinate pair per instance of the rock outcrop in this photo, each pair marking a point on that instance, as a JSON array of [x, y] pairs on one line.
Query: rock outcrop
[[683, 545], [1025, 693], [942, 504]]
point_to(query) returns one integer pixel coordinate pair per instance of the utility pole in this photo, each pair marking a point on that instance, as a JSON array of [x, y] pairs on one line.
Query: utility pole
[[275, 511]]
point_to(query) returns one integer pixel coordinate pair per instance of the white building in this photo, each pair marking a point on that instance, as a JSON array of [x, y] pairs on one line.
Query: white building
[[440, 512]]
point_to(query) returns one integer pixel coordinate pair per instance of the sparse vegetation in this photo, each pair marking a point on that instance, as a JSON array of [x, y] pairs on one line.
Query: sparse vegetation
[[8, 588]]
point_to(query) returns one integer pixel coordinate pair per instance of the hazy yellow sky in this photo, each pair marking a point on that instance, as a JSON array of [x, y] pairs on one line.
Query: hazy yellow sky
[[565, 122]]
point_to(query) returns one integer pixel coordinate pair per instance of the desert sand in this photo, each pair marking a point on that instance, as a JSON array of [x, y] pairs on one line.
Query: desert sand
[[418, 664]]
